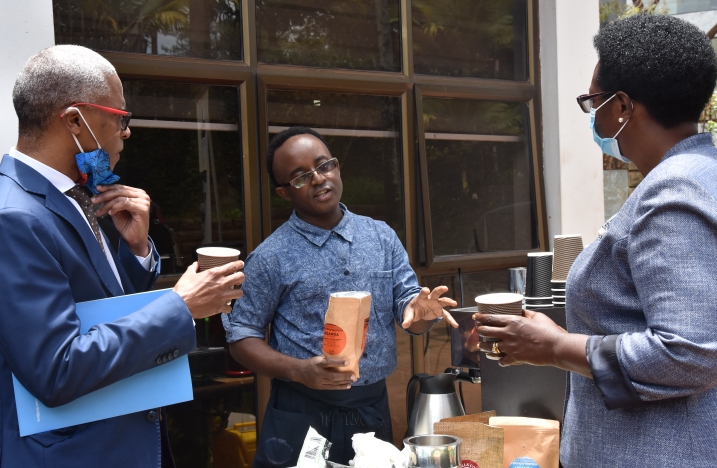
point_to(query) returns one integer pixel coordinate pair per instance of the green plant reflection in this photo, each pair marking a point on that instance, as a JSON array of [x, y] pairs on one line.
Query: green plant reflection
[[479, 176], [481, 39], [188, 28], [354, 34]]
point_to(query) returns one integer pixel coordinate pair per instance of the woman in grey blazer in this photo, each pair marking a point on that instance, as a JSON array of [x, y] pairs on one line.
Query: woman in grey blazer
[[641, 343]]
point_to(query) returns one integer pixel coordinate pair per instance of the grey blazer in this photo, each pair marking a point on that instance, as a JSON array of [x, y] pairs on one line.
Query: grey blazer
[[645, 293]]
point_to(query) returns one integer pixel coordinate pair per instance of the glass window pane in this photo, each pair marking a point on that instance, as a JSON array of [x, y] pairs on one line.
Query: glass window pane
[[189, 28], [185, 152], [484, 282], [480, 176], [363, 132], [355, 34], [476, 38]]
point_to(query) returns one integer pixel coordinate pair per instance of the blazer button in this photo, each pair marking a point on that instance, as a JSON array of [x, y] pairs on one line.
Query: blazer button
[[152, 416], [159, 360], [176, 353]]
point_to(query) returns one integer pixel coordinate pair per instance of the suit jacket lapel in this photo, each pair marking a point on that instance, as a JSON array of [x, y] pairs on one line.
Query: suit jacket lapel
[[126, 282], [57, 202]]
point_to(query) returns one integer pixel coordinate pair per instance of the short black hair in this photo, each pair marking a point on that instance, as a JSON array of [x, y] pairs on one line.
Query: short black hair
[[663, 62], [279, 140]]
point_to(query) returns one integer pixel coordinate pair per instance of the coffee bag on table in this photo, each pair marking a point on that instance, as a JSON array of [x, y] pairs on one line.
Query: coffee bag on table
[[346, 327], [529, 442], [482, 445]]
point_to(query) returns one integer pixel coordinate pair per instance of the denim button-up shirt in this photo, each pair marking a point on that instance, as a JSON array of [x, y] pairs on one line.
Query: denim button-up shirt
[[290, 276]]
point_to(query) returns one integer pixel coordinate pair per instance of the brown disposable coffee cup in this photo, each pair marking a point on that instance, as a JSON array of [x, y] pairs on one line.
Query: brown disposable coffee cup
[[211, 257], [500, 304]]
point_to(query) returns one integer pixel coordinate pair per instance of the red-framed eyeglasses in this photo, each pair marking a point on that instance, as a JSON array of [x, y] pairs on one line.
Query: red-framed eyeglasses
[[124, 115]]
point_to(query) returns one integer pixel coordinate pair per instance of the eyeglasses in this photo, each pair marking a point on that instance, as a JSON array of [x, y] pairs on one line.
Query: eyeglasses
[[585, 101], [124, 115], [303, 179]]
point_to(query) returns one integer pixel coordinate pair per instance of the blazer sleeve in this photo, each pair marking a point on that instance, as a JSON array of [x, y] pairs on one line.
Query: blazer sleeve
[[671, 252], [39, 329], [140, 278]]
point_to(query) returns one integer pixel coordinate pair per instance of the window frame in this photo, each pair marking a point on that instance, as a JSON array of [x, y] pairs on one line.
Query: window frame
[[255, 80], [525, 93]]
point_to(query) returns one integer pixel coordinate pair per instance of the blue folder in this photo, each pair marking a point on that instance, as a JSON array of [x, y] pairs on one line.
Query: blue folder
[[164, 385]]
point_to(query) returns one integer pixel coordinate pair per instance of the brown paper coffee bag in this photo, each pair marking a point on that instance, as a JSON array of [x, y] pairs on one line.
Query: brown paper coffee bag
[[529, 442], [482, 445], [346, 327]]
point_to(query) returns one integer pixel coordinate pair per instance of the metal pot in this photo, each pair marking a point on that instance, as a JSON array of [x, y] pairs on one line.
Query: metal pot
[[434, 451], [430, 398]]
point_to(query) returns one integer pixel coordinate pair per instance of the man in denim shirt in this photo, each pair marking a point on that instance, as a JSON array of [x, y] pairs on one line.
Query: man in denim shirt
[[323, 248]]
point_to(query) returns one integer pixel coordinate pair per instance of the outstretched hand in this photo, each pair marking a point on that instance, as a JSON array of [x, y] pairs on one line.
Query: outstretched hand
[[428, 305]]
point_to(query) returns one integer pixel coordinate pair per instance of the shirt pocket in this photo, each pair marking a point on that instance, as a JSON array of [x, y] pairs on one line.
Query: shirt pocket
[[310, 296], [382, 295]]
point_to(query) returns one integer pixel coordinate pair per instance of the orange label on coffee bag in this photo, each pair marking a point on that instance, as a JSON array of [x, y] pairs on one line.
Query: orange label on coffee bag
[[334, 339]]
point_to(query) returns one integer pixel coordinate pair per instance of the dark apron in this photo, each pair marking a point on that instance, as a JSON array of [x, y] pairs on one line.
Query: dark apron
[[335, 414]]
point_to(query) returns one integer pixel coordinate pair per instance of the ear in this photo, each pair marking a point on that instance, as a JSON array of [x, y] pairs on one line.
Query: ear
[[281, 191], [72, 120], [626, 105]]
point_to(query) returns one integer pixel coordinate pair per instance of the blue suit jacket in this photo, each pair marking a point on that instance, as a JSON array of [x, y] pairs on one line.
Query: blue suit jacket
[[49, 261]]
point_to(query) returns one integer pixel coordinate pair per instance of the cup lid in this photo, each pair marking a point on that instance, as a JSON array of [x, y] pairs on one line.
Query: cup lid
[[218, 252], [499, 298]]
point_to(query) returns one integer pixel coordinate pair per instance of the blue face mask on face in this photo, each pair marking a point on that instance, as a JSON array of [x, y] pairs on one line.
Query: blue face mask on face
[[94, 165], [608, 146]]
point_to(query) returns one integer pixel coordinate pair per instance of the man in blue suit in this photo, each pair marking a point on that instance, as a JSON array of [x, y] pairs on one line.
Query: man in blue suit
[[54, 255]]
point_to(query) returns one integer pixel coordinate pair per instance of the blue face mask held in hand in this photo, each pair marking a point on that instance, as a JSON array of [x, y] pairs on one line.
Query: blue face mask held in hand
[[94, 165], [608, 146]]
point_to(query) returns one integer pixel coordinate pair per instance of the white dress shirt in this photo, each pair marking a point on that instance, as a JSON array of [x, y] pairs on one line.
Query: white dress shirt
[[63, 184]]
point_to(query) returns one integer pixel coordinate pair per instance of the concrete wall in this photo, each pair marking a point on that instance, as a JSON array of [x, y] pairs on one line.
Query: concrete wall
[[572, 161], [25, 29], [702, 19], [616, 183], [688, 6]]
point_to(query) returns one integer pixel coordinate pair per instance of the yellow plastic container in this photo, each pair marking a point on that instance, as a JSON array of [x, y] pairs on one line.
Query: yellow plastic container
[[235, 448]]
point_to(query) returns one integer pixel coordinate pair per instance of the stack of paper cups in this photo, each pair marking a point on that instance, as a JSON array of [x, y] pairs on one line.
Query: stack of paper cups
[[537, 284], [566, 249]]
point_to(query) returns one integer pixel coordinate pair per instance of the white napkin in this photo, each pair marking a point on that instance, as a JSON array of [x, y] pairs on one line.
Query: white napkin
[[375, 453]]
